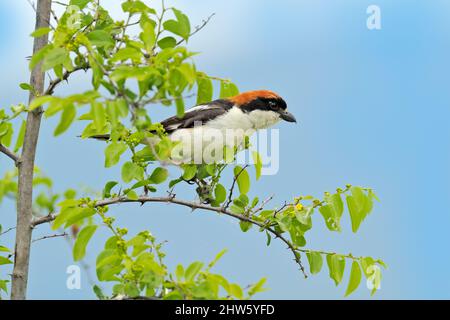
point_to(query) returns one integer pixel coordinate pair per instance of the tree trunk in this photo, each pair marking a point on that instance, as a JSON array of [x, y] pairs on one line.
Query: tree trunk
[[26, 166]]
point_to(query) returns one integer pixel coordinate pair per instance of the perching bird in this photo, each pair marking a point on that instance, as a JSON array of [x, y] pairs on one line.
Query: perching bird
[[205, 129]]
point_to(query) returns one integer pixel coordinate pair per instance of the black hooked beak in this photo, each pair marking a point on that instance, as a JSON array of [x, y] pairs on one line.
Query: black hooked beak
[[287, 116]]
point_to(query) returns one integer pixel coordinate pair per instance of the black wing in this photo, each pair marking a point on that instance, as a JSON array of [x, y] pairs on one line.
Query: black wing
[[200, 114], [197, 115]]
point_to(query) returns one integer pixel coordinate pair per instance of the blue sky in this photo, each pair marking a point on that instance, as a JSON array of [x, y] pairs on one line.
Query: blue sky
[[373, 110]]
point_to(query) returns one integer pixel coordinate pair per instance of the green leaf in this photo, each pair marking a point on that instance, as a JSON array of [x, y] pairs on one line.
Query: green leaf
[[131, 171], [98, 292], [189, 171], [125, 72], [184, 23], [167, 42], [40, 32], [335, 201], [78, 215], [99, 115], [108, 187], [242, 179], [205, 89], [3, 285], [38, 56], [148, 34], [359, 206], [179, 103], [236, 291], [3, 248], [20, 137], [136, 6], [366, 262], [112, 111], [217, 258], [193, 269], [355, 278], [67, 116], [113, 152], [4, 260], [237, 209], [315, 261], [108, 263], [336, 266], [355, 213], [228, 89], [127, 53], [26, 86], [220, 193], [63, 215], [39, 101], [79, 248], [54, 57], [327, 212], [132, 195], [6, 132], [131, 290], [258, 287], [159, 175], [79, 3], [245, 225], [100, 38], [180, 27], [258, 163]]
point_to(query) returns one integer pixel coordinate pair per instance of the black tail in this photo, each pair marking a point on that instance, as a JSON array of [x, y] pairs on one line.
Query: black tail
[[103, 137]]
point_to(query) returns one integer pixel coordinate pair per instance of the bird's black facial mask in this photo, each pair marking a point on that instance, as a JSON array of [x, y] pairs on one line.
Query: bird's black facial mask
[[279, 106]]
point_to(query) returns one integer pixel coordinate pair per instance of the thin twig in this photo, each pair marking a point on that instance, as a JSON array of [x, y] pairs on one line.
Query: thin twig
[[198, 28], [263, 204], [9, 154], [281, 209], [230, 195], [51, 236], [33, 6], [7, 230], [160, 22], [60, 3], [31, 3]]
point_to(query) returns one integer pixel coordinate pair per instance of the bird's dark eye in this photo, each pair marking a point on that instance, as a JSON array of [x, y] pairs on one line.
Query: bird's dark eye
[[273, 105]]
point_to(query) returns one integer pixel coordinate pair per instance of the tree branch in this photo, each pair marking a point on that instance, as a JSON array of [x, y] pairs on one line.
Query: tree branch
[[26, 165], [9, 154], [53, 84], [193, 206]]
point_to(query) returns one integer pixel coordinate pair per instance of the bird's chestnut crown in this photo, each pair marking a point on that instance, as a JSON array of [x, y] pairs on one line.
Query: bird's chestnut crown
[[263, 100]]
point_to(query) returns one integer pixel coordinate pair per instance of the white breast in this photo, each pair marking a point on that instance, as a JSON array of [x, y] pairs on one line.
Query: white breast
[[205, 144]]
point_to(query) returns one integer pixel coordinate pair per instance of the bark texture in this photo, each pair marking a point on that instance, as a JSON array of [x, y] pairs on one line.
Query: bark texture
[[26, 166]]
